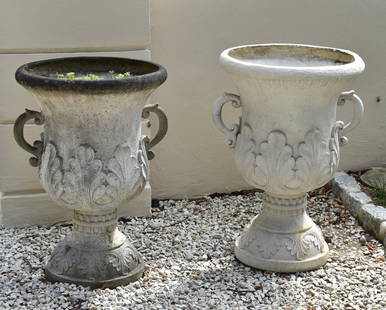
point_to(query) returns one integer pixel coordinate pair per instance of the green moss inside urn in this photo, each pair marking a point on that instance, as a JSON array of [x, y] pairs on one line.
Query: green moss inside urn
[[111, 75]]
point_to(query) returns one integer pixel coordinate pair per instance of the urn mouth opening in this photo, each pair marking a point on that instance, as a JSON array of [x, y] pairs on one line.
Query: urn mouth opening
[[293, 58], [109, 74]]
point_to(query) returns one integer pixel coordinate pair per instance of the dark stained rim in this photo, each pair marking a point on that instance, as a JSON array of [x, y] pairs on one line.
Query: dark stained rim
[[145, 74]]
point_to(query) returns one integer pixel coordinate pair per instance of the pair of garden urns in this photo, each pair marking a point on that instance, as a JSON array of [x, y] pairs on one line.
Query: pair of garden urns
[[92, 155]]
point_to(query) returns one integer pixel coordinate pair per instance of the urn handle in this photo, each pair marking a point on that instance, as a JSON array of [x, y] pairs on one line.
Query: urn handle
[[162, 127], [18, 132], [230, 132], [357, 113]]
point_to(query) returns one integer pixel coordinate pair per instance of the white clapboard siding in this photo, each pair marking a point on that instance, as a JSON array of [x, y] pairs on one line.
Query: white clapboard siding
[[37, 208], [74, 24]]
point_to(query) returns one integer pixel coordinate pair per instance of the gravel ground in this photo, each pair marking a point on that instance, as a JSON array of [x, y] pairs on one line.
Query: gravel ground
[[188, 247]]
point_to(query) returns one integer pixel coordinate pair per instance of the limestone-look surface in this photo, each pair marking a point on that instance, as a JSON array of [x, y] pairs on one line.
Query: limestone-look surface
[[91, 157], [355, 201], [287, 142], [371, 216], [343, 181], [373, 219]]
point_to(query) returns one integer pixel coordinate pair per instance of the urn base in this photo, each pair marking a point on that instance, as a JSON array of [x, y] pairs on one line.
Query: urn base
[[283, 238], [97, 255]]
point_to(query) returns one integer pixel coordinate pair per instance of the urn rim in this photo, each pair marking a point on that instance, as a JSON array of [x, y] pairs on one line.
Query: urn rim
[[292, 60], [41, 74]]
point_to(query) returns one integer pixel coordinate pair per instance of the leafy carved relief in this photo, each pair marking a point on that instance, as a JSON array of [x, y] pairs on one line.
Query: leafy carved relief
[[273, 166], [123, 261], [85, 182], [299, 246], [73, 261], [89, 182]]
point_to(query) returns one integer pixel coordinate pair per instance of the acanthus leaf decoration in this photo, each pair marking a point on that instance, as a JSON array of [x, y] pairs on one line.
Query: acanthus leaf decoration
[[124, 261], [63, 258], [72, 260], [143, 170], [245, 152], [275, 161], [87, 181], [273, 166], [335, 142], [50, 171], [314, 162], [130, 171], [299, 246]]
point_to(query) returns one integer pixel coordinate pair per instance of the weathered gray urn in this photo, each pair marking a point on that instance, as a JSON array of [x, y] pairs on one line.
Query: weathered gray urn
[[287, 142], [91, 157]]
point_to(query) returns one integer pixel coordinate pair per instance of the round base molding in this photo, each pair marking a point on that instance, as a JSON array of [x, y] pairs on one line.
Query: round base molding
[[282, 238], [97, 261], [276, 265], [111, 283]]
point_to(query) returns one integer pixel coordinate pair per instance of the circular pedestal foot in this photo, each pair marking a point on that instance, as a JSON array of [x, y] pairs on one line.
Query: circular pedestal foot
[[282, 252], [276, 265], [111, 283], [93, 263], [283, 238]]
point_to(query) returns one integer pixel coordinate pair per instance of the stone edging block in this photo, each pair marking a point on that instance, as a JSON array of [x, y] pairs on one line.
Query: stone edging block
[[371, 216]]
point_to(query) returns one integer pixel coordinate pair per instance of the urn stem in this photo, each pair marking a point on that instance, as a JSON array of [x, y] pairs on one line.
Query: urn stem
[[91, 222], [291, 206], [95, 253]]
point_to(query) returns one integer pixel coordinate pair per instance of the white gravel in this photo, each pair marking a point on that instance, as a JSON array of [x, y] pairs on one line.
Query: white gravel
[[188, 247]]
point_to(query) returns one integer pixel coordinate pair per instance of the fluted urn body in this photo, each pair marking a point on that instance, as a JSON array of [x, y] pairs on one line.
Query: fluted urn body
[[92, 156], [287, 142]]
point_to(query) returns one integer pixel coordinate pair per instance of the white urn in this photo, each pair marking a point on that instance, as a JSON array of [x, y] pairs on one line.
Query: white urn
[[287, 142], [92, 156]]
